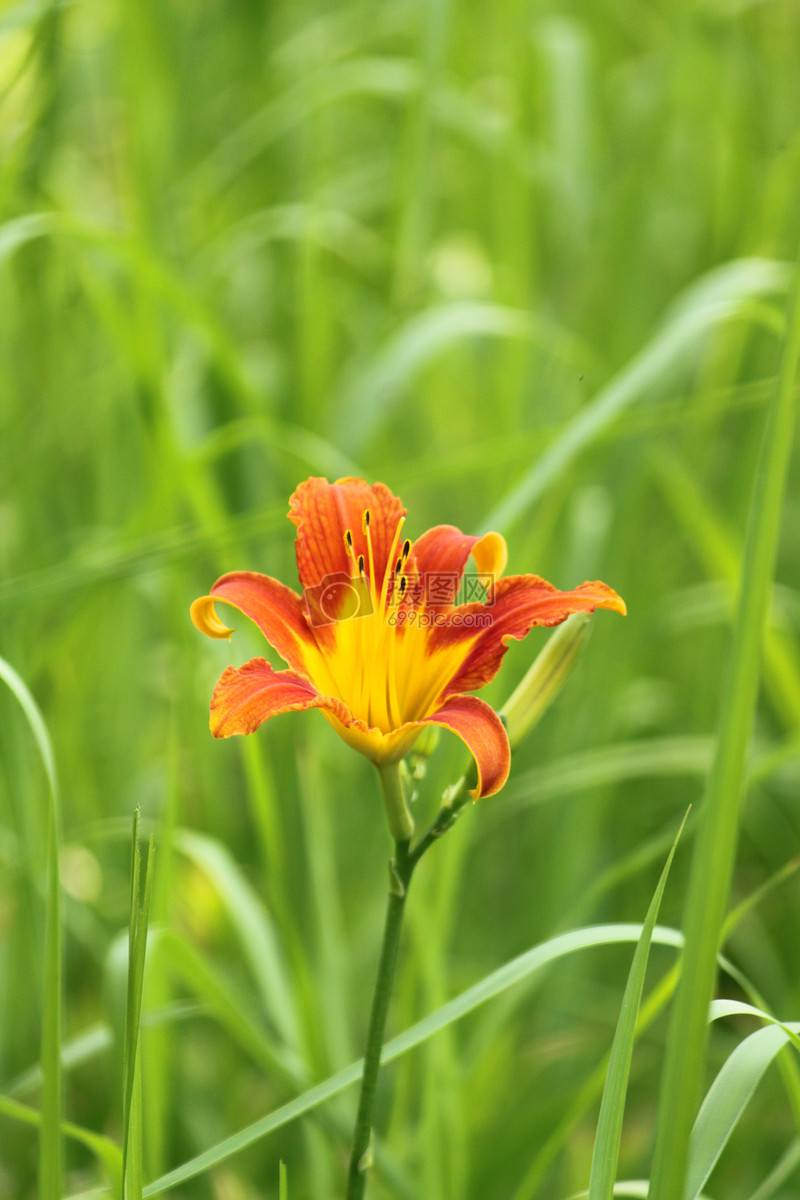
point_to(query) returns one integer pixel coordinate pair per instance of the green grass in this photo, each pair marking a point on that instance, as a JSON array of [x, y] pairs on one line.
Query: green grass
[[529, 265]]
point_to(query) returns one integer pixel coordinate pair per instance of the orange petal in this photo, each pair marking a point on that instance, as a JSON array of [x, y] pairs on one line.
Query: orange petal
[[275, 608], [482, 732], [520, 602], [323, 512], [245, 697], [439, 556]]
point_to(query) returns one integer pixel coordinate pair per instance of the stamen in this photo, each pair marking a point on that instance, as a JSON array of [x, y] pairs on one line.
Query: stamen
[[388, 636], [371, 559], [387, 584], [399, 580]]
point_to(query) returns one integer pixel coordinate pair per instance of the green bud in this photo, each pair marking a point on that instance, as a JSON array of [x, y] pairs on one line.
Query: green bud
[[545, 678], [421, 751]]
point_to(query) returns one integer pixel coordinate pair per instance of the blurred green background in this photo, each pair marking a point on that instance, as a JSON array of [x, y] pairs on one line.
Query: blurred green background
[[525, 263]]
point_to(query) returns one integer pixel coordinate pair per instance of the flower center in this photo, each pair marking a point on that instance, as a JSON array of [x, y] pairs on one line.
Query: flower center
[[381, 662]]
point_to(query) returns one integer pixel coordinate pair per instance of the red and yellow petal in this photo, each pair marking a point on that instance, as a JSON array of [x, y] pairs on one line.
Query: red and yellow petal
[[483, 733], [275, 609], [323, 512], [439, 556], [520, 602], [245, 697]]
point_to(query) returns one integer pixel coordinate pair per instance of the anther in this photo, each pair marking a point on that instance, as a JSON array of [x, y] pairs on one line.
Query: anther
[[366, 520], [398, 566], [403, 583], [406, 548], [348, 541], [361, 569]]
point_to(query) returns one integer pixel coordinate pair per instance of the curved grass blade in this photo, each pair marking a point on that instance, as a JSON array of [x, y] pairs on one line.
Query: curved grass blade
[[159, 282], [428, 334], [714, 299], [50, 1148], [222, 1000], [732, 1089], [644, 758], [253, 925], [612, 1107], [515, 971], [105, 1151], [388, 77], [656, 1002], [96, 1040], [715, 846]]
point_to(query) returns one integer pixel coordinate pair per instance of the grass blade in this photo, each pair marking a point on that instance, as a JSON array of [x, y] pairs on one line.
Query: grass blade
[[729, 1095], [515, 971], [707, 304], [104, 1150], [612, 1107], [715, 846], [629, 1189], [50, 1149], [141, 890], [254, 926]]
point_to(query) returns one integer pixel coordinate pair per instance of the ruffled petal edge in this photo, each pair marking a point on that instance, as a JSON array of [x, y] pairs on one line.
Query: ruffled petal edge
[[247, 696]]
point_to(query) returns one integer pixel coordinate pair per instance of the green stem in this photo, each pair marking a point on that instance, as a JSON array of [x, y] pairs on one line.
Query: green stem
[[401, 823], [400, 871], [455, 799], [401, 868], [715, 847]]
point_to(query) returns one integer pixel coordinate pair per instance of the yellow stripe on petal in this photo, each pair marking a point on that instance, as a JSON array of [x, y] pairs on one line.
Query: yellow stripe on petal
[[204, 617]]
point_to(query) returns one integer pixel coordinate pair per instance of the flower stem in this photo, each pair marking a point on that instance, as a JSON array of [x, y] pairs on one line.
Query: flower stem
[[400, 871], [401, 823]]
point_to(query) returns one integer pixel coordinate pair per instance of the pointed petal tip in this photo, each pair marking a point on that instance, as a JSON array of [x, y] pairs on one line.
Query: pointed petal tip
[[204, 617], [609, 598]]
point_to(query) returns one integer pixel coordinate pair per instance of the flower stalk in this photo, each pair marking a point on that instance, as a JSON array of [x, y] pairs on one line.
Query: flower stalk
[[401, 823], [401, 869], [378, 643]]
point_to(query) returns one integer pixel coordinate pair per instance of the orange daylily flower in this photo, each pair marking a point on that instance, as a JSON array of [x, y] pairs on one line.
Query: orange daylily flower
[[376, 640]]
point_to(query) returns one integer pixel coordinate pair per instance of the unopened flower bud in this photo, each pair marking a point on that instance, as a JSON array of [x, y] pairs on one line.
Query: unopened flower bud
[[421, 751], [545, 678]]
